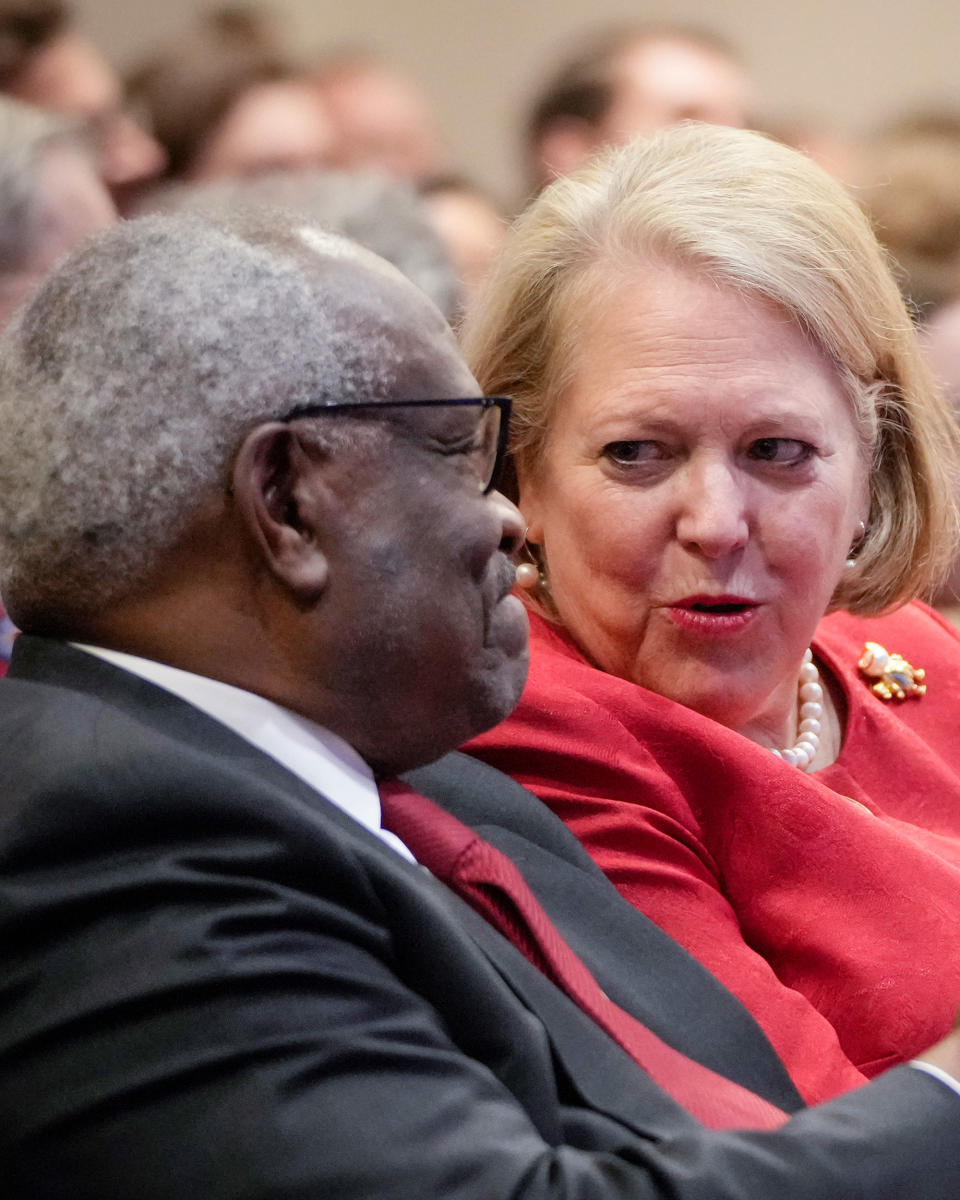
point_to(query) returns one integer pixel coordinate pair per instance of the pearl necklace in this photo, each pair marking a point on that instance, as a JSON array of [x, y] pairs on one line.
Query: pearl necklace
[[810, 694]]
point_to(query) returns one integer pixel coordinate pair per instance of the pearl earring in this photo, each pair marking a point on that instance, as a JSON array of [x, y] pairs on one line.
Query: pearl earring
[[528, 576]]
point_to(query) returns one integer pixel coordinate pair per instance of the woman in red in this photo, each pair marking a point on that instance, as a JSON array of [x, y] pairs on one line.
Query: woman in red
[[731, 460]]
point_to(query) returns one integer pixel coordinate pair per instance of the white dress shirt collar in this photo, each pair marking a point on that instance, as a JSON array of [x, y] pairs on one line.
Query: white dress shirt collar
[[320, 758]]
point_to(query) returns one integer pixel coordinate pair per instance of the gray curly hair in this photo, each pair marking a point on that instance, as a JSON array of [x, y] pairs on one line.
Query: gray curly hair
[[129, 381]]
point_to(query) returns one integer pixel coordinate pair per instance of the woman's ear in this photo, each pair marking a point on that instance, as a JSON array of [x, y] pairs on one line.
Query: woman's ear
[[528, 501], [275, 485]]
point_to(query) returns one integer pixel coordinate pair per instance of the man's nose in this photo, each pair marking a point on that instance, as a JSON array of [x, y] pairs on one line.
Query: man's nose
[[511, 521], [712, 517]]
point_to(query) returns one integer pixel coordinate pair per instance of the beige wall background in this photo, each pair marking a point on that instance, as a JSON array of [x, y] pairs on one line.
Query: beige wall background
[[851, 63]]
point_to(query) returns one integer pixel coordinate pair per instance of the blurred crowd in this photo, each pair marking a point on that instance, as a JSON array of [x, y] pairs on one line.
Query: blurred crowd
[[222, 116], [224, 101]]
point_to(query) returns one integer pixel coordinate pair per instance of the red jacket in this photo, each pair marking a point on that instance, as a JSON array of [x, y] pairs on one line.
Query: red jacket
[[829, 903]]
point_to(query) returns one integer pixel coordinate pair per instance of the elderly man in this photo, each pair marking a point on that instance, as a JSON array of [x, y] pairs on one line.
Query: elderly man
[[246, 520]]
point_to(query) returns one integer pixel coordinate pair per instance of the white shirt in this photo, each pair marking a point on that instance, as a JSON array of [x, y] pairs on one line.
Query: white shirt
[[320, 758]]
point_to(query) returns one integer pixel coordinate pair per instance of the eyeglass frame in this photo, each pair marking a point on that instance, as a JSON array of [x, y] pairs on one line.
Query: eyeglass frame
[[503, 403]]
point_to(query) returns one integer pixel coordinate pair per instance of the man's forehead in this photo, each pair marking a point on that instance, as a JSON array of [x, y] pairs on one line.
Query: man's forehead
[[393, 317], [363, 279], [434, 372]]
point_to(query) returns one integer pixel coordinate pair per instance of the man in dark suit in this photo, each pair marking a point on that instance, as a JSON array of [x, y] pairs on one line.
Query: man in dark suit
[[253, 575]]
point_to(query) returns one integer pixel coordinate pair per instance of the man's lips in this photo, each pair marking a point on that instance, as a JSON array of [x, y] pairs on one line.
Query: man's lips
[[506, 577], [713, 615], [505, 612]]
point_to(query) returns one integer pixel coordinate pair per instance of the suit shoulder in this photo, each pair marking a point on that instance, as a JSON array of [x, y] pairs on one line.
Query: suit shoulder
[[485, 798]]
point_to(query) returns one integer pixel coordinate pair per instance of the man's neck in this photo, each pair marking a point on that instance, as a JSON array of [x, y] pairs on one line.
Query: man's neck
[[310, 751]]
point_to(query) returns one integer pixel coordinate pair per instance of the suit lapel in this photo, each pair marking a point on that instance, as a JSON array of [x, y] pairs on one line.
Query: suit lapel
[[643, 970]]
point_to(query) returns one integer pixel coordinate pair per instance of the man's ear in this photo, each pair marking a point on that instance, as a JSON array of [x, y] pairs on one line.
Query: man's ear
[[274, 481]]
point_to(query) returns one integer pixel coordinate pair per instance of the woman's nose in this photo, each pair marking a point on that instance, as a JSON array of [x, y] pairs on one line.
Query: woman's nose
[[712, 516]]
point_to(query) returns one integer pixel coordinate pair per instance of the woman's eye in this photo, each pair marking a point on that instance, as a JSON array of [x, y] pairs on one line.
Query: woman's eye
[[631, 453], [784, 452]]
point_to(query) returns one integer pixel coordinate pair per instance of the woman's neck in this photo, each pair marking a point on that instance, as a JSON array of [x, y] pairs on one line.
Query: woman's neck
[[779, 727]]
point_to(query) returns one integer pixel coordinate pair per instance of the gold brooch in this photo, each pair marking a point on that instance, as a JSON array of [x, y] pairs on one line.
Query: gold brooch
[[895, 678]]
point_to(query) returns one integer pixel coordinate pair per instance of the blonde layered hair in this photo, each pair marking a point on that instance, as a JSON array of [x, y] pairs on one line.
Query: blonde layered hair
[[753, 215]]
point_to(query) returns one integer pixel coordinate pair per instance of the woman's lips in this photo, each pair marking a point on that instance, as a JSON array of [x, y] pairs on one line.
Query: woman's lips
[[713, 616]]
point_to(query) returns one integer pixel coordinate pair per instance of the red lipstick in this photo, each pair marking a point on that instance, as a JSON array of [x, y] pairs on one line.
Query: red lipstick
[[713, 616]]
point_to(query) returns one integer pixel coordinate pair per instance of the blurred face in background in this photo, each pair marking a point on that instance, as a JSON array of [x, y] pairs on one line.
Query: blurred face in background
[[76, 202], [274, 126], [383, 122], [69, 203], [653, 82], [472, 231], [69, 75], [660, 83]]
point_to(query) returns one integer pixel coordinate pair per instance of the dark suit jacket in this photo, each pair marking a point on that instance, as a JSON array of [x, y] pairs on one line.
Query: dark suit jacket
[[214, 983]]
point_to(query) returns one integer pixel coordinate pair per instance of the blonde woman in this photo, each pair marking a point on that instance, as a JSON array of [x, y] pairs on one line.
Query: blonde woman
[[733, 462]]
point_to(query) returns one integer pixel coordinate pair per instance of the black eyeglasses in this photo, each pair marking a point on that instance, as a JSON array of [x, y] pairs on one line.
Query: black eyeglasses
[[493, 425]]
